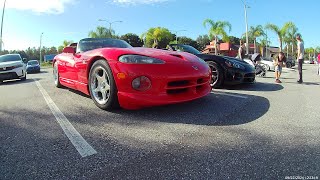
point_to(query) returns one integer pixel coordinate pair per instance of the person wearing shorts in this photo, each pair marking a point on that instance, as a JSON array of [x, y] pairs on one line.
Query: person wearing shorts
[[279, 63]]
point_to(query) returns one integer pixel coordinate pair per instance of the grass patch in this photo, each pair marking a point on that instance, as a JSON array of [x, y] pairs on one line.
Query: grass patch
[[46, 64]]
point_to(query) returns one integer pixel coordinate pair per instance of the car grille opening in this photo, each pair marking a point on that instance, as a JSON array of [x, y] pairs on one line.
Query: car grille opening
[[196, 85], [178, 83], [6, 68], [177, 91]]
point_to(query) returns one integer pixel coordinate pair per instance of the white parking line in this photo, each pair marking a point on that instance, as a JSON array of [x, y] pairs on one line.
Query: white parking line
[[227, 94], [74, 136]]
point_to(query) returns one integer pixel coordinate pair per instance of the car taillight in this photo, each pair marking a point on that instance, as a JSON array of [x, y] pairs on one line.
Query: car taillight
[[141, 83]]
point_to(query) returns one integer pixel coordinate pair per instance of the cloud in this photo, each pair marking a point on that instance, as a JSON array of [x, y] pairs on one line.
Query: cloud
[[40, 6], [136, 2]]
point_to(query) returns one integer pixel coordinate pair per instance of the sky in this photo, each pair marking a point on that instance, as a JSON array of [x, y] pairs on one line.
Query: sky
[[25, 20]]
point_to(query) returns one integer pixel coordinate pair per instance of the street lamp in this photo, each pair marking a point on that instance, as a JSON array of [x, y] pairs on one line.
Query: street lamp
[[110, 23], [4, 6], [246, 21], [40, 47], [176, 32]]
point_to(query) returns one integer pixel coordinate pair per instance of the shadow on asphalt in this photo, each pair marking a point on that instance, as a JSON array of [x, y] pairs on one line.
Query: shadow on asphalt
[[37, 148], [258, 86], [18, 81], [205, 111]]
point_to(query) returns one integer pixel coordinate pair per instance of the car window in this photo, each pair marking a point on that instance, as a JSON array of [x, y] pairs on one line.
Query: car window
[[33, 62], [10, 57], [186, 48], [95, 43]]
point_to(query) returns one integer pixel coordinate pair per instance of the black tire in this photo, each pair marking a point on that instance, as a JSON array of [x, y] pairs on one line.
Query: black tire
[[288, 65], [56, 75], [24, 78], [112, 100], [266, 67], [217, 77]]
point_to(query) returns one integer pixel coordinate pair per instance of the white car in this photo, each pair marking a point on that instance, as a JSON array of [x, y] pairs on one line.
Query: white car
[[267, 64], [12, 67]]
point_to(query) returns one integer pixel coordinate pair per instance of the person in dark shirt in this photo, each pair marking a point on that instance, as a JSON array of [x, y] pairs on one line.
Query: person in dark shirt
[[279, 62]]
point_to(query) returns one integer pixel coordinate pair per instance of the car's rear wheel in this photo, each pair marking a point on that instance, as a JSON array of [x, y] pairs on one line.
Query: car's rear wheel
[[102, 86], [289, 65], [217, 77], [266, 67], [56, 75]]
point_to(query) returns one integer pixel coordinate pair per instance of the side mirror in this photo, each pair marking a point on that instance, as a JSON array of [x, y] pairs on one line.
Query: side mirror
[[69, 49]]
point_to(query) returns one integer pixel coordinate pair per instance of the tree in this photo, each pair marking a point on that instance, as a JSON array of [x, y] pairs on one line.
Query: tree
[[65, 43], [158, 37], [188, 41], [218, 29], [133, 39], [281, 32], [254, 33], [234, 40], [203, 41], [102, 32], [290, 38], [263, 43]]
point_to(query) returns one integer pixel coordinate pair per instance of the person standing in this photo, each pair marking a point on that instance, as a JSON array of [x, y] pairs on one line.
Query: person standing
[[241, 51], [319, 64], [300, 56], [279, 62]]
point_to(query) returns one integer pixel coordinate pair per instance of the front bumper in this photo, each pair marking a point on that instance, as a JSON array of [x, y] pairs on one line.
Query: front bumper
[[16, 73], [237, 76], [33, 69], [170, 84]]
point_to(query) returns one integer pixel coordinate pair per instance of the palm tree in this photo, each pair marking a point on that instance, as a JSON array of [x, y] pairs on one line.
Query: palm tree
[[217, 29], [156, 35], [290, 37], [256, 32], [281, 32], [263, 43], [101, 32], [66, 43]]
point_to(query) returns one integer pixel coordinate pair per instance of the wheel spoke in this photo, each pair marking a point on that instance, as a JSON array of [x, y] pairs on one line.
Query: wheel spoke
[[104, 95]]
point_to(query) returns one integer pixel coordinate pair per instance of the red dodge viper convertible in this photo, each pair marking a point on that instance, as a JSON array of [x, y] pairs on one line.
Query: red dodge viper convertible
[[113, 73]]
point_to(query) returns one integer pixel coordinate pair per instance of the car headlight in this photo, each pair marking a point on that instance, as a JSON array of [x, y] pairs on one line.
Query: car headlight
[[18, 66], [138, 59]]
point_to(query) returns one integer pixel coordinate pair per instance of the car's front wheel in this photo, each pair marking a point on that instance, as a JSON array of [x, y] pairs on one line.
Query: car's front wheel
[[25, 77], [102, 86], [56, 75], [217, 77]]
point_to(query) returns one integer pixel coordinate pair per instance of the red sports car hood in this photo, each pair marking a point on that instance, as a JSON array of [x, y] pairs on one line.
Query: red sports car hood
[[167, 56]]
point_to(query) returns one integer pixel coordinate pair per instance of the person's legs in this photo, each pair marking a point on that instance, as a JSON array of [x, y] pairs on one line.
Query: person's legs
[[300, 61]]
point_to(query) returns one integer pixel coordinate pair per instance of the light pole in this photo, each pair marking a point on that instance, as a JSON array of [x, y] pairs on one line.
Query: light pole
[[176, 32], [40, 47], [110, 23], [246, 21], [1, 42]]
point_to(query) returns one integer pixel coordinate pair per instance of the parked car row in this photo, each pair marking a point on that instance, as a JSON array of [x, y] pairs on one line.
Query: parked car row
[[12, 66]]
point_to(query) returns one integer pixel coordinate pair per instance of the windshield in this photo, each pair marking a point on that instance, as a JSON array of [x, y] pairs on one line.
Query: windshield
[[95, 43], [10, 57], [186, 48], [33, 62]]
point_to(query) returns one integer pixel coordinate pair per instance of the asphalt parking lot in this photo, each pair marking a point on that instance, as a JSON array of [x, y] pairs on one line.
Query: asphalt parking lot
[[259, 131]]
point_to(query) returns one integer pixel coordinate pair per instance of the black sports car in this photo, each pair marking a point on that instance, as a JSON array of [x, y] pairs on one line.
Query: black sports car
[[225, 70]]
